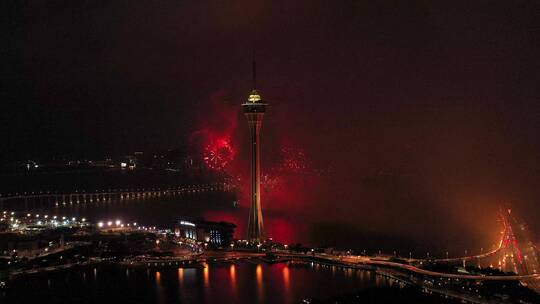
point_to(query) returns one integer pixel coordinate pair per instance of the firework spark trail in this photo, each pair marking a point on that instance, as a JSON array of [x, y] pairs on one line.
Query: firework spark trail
[[218, 153]]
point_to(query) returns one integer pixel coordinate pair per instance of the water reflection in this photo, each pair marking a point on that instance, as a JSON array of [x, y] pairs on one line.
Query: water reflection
[[232, 275], [232, 279], [286, 281], [160, 293], [181, 276], [248, 283], [206, 275], [259, 275], [190, 274]]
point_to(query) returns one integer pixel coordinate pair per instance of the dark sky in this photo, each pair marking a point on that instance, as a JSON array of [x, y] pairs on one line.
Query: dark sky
[[435, 103]]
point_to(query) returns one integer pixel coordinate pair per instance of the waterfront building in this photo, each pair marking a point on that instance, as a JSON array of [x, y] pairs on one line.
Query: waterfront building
[[215, 234]]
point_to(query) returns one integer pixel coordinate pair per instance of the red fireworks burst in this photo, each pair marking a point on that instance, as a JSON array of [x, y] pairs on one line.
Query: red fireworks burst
[[294, 162], [294, 159], [218, 154]]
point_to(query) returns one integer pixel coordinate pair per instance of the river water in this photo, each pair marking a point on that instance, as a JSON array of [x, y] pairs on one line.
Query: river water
[[250, 281]]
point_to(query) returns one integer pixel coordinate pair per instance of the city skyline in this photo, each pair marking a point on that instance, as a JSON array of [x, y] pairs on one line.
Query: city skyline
[[415, 107], [400, 142]]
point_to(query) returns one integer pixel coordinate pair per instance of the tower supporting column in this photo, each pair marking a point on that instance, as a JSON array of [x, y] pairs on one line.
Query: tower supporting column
[[254, 111]]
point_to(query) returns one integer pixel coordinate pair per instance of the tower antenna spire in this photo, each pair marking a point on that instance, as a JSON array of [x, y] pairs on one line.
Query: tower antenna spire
[[254, 71]]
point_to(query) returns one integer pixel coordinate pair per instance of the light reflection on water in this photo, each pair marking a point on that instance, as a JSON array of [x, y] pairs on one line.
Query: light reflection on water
[[286, 281], [232, 279], [242, 282], [260, 287], [181, 276], [160, 294], [206, 271], [232, 274]]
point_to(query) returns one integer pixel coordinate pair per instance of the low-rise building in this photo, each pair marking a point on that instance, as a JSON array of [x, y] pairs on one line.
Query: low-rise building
[[215, 234]]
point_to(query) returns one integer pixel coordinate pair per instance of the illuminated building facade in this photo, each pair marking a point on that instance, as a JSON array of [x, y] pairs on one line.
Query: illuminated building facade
[[214, 234], [254, 111]]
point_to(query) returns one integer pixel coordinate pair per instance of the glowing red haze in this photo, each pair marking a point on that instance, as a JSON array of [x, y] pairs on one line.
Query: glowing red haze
[[288, 178]]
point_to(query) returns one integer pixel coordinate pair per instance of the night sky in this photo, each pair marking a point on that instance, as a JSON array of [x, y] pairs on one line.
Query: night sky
[[425, 113]]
